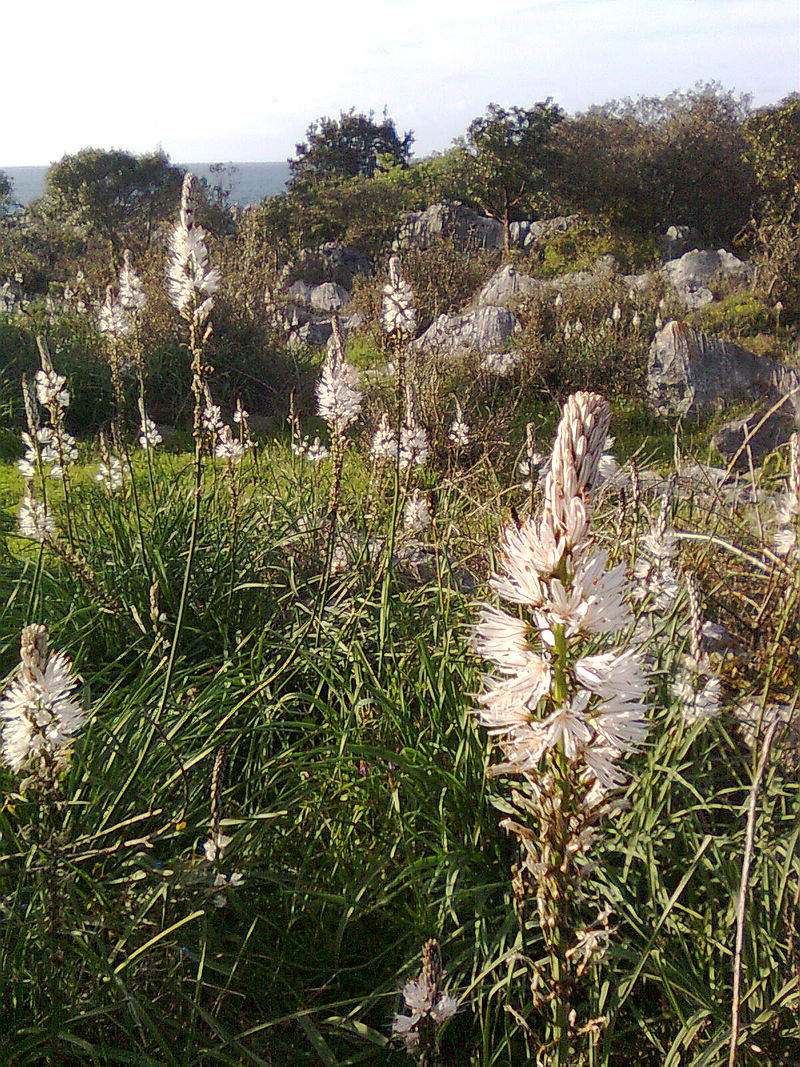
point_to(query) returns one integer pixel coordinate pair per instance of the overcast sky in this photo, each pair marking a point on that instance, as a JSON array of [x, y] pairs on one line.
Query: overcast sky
[[241, 81]]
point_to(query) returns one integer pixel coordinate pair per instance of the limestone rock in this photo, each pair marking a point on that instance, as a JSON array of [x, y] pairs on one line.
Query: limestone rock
[[449, 222], [526, 234], [692, 274], [484, 329], [755, 435], [689, 372], [312, 332], [677, 240], [329, 297], [299, 293], [603, 269], [329, 262], [506, 285], [471, 232]]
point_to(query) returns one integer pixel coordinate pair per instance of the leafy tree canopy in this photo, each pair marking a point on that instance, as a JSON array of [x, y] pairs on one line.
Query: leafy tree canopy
[[354, 145], [5, 193], [112, 194], [655, 161], [508, 152], [773, 150]]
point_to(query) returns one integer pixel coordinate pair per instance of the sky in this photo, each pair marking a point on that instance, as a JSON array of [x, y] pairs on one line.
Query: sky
[[243, 80]]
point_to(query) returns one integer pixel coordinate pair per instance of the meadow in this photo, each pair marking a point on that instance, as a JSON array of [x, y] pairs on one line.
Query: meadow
[[421, 723]]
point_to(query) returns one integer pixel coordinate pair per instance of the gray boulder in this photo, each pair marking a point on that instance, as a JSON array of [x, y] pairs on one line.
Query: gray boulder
[[754, 436], [677, 240], [329, 262], [689, 372], [484, 329], [692, 274], [603, 269], [329, 297], [299, 293], [314, 332], [454, 222], [506, 285], [640, 283], [527, 234]]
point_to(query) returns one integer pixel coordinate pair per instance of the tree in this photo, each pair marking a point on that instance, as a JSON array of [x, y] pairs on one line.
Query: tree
[[654, 161], [112, 195], [773, 151], [354, 145], [5, 193], [509, 154]]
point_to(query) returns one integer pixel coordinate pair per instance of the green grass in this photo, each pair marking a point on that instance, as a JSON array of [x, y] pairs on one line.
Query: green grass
[[356, 797]]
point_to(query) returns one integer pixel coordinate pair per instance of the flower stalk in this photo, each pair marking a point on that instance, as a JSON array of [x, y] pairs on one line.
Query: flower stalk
[[566, 704]]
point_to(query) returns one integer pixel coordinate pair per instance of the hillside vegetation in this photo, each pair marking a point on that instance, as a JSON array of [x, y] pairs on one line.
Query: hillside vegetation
[[376, 693]]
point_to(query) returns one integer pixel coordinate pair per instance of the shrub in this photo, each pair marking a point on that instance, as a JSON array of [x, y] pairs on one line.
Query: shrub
[[579, 247], [737, 315]]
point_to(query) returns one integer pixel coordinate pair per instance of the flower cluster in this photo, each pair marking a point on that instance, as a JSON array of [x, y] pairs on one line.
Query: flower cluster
[[429, 1006], [459, 429], [149, 437], [696, 687], [51, 389], [398, 316], [551, 695], [39, 711], [191, 282], [414, 448], [338, 396], [35, 521], [314, 451], [384, 441], [113, 320], [132, 298], [214, 850], [43, 447], [656, 579], [226, 445], [110, 473], [416, 513]]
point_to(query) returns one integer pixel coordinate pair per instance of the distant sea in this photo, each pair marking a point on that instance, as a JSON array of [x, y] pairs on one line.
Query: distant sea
[[249, 182]]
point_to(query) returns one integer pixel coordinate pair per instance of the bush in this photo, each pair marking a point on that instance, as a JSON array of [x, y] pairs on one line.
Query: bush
[[737, 315], [579, 247]]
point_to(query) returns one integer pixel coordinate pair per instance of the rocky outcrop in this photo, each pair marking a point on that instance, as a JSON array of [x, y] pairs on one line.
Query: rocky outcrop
[[454, 222], [506, 285], [677, 240], [527, 234], [689, 372], [471, 232], [754, 436], [484, 329], [329, 262], [692, 274], [326, 298]]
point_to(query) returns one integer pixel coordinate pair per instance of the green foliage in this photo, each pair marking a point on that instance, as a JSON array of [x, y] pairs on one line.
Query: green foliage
[[113, 195], [351, 146], [357, 211], [654, 162], [741, 314], [6, 189], [509, 154], [354, 791], [579, 247], [773, 150]]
